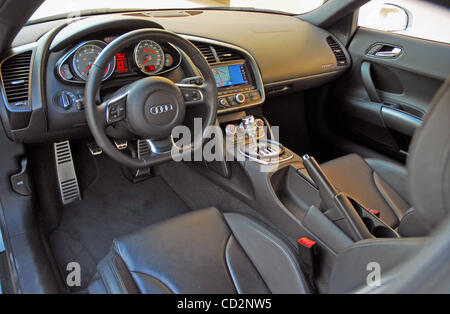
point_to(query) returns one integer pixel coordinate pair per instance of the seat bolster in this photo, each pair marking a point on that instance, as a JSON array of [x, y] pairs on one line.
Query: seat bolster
[[394, 173], [245, 277], [273, 258], [113, 276], [412, 225], [96, 286], [392, 198], [353, 265]]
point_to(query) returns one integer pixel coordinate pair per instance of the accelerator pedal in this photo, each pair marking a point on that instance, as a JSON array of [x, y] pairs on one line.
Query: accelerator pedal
[[65, 171], [143, 151]]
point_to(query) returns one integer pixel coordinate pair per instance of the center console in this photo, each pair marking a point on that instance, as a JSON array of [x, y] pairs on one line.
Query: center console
[[236, 86], [293, 194]]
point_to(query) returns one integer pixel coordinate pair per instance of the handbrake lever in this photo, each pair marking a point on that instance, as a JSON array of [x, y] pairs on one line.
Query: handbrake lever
[[337, 206]]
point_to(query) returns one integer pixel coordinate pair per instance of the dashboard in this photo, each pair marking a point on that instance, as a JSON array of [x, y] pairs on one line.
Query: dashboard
[[246, 52]]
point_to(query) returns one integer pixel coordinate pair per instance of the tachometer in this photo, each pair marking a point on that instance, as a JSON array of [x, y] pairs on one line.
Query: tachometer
[[149, 57], [85, 56]]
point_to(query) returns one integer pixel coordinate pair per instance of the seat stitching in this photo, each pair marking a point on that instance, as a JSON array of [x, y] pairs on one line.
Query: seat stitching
[[116, 274], [155, 278], [227, 267]]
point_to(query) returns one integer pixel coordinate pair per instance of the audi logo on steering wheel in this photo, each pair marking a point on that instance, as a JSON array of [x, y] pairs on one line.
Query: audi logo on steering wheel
[[156, 110]]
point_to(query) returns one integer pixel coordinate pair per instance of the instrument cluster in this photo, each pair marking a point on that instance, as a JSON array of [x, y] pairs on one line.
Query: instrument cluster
[[147, 57]]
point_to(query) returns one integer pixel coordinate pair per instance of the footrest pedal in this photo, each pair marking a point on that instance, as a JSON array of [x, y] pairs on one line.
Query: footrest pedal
[[65, 171]]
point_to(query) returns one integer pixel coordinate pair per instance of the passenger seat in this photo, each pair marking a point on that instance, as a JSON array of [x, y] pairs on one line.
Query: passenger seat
[[379, 185]]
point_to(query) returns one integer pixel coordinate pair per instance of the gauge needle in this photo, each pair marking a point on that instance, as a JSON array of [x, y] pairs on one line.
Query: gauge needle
[[89, 66], [143, 63]]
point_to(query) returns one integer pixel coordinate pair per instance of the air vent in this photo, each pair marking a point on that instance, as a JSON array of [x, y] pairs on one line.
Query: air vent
[[226, 54], [206, 51], [215, 53], [341, 59], [16, 76]]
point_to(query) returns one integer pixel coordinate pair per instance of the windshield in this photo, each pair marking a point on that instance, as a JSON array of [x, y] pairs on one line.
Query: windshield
[[73, 8]]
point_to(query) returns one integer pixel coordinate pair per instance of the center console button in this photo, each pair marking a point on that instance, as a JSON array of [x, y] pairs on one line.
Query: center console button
[[223, 102], [230, 100]]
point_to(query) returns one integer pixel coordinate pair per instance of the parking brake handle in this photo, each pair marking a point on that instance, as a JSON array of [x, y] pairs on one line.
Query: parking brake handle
[[338, 207]]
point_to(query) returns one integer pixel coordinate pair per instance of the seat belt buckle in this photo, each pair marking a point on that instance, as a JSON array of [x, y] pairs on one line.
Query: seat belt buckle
[[374, 212], [307, 250]]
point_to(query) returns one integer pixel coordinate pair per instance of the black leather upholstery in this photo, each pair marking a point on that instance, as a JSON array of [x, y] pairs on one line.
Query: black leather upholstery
[[201, 252], [429, 162], [371, 183]]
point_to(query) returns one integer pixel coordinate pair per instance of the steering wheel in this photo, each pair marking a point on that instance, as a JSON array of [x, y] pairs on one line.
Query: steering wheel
[[150, 107]]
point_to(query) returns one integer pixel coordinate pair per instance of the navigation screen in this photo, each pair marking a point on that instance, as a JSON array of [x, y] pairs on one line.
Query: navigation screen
[[230, 75]]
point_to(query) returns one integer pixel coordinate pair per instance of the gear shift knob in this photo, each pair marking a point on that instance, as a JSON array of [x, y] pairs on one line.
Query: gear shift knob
[[250, 127], [248, 120]]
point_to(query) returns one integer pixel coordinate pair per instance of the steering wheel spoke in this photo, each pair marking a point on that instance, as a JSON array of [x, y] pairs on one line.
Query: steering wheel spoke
[[115, 108], [193, 94]]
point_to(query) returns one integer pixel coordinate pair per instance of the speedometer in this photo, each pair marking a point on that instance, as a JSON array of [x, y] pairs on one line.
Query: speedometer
[[149, 57], [84, 58]]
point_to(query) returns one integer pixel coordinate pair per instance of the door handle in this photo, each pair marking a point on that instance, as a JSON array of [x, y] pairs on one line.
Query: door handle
[[394, 52], [384, 50]]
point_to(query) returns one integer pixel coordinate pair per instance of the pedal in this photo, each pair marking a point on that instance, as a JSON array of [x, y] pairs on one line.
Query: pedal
[[94, 148], [121, 144], [65, 171], [143, 151]]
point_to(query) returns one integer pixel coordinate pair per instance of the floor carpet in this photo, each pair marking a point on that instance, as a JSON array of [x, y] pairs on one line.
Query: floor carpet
[[111, 206]]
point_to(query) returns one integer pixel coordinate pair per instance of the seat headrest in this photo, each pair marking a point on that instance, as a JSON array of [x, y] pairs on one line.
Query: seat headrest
[[429, 161]]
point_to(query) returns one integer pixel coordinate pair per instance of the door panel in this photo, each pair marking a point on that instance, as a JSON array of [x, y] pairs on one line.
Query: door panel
[[383, 98]]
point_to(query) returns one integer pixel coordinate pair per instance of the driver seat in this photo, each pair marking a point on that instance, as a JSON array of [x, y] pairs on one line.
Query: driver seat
[[201, 252]]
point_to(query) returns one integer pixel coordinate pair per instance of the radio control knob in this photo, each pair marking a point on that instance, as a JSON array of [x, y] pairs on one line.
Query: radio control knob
[[223, 102], [239, 98]]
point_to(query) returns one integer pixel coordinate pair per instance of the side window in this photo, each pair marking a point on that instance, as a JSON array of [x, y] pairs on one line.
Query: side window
[[416, 18]]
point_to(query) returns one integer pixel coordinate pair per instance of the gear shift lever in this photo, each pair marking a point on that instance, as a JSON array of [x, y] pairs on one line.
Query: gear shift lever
[[250, 127]]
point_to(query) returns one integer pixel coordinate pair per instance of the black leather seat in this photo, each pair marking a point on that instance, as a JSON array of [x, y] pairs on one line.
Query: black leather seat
[[374, 183], [201, 252]]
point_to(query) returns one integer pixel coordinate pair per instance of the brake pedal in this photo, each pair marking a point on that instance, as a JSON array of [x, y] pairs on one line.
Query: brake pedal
[[65, 171], [121, 144], [94, 148]]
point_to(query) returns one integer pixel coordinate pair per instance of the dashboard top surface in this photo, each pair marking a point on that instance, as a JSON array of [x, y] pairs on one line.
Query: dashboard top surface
[[264, 35]]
